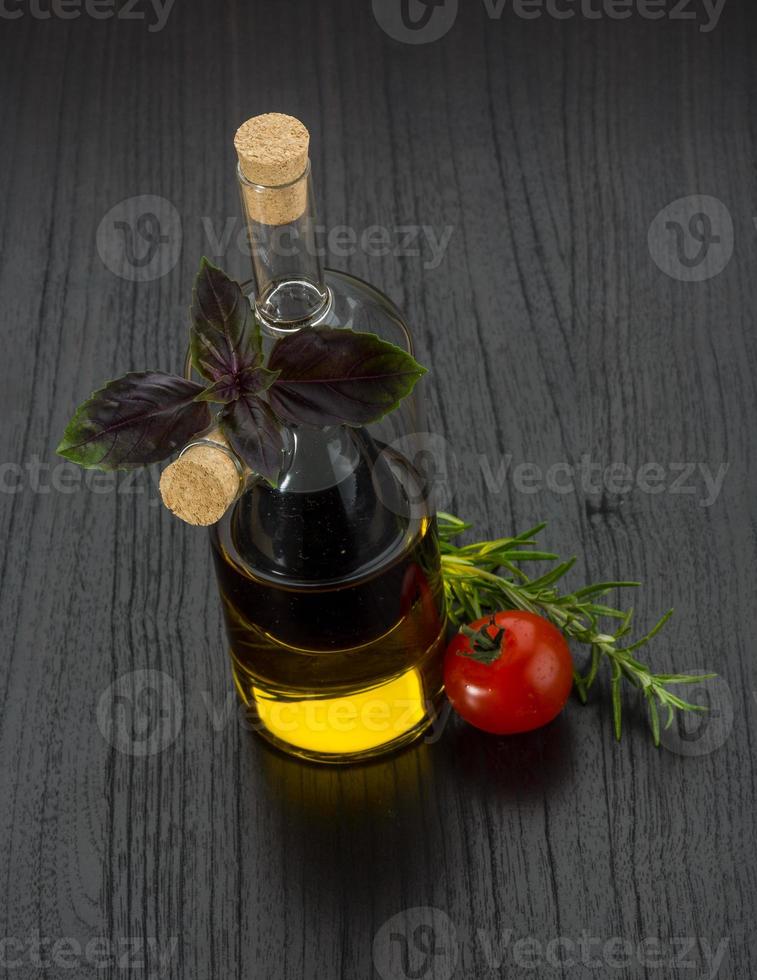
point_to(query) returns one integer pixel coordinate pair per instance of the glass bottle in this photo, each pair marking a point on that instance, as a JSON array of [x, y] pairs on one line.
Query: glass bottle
[[330, 582]]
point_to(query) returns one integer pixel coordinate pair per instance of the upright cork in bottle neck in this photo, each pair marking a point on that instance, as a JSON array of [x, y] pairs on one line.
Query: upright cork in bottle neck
[[273, 160], [274, 179]]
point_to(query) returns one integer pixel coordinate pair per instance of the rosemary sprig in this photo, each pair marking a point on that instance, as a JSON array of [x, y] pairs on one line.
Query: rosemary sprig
[[486, 576]]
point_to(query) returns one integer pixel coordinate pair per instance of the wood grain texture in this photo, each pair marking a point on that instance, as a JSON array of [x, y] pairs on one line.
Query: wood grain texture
[[546, 148]]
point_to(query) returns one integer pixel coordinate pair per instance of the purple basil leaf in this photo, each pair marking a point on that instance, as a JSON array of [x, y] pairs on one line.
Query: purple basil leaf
[[135, 420], [223, 390], [224, 336], [256, 379], [329, 376], [255, 435], [248, 382]]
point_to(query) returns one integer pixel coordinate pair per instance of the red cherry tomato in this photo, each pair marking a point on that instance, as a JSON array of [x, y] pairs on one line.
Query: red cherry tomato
[[507, 673]]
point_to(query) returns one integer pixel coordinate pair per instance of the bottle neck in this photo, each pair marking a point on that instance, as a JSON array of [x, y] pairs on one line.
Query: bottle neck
[[281, 224], [317, 459]]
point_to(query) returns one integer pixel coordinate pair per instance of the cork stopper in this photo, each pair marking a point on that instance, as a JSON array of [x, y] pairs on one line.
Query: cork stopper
[[273, 155], [200, 485]]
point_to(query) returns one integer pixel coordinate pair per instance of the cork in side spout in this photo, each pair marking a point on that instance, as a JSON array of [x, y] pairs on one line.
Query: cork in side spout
[[201, 485]]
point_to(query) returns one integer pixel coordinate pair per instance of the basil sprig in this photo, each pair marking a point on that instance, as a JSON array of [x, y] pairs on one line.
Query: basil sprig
[[316, 376]]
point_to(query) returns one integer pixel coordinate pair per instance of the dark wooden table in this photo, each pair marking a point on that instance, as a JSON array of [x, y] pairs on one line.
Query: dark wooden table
[[560, 332]]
